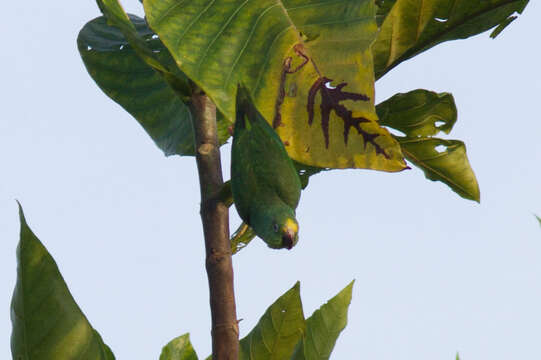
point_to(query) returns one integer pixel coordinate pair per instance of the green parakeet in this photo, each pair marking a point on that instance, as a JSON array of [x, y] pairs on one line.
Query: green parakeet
[[264, 182]]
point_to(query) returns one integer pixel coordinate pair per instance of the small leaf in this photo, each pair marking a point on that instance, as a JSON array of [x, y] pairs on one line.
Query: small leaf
[[278, 330], [449, 165], [179, 348], [324, 327], [420, 114], [47, 323], [413, 26]]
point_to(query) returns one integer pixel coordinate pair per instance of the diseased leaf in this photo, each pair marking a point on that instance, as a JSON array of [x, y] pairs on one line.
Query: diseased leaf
[[134, 85], [47, 323], [323, 328], [306, 63], [179, 348], [279, 329], [449, 165], [420, 114], [413, 26]]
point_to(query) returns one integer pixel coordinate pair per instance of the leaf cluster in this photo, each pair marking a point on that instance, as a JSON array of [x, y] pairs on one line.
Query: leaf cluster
[[48, 323]]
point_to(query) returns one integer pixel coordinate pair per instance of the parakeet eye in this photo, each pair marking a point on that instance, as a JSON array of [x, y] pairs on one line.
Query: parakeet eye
[[275, 227]]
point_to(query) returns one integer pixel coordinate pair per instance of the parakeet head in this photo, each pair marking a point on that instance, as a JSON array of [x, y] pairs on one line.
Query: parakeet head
[[279, 229]]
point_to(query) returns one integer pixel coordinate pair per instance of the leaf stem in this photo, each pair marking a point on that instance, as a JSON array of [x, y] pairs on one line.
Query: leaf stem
[[215, 219]]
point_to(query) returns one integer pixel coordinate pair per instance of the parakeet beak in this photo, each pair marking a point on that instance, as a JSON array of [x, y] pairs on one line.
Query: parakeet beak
[[289, 234], [288, 239]]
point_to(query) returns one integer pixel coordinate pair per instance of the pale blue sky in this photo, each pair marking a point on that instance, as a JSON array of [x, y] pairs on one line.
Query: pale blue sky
[[435, 273]]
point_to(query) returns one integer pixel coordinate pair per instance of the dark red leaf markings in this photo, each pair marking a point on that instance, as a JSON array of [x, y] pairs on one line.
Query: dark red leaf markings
[[330, 101]]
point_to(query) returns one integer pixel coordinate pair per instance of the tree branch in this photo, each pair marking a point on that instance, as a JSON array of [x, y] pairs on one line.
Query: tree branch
[[215, 218]]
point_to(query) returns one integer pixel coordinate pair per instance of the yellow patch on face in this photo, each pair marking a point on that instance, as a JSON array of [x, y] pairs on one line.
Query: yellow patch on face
[[291, 225]]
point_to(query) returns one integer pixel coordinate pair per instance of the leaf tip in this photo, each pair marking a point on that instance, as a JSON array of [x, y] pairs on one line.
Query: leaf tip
[[21, 213]]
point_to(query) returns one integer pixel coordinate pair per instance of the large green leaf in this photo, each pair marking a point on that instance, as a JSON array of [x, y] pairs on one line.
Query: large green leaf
[[420, 114], [47, 323], [323, 328], [307, 64], [278, 330], [179, 348], [413, 26], [136, 86]]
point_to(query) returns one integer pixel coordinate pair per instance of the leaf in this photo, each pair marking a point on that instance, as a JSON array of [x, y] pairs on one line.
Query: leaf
[[420, 114], [457, 356], [307, 65], [538, 219], [47, 323], [323, 328], [384, 7], [449, 165], [179, 348], [134, 85], [278, 330], [413, 26]]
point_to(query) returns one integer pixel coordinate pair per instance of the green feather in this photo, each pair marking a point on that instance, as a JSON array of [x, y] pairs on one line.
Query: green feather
[[265, 185]]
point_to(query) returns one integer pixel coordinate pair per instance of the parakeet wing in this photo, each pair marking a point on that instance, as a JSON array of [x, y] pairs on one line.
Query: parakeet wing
[[259, 157]]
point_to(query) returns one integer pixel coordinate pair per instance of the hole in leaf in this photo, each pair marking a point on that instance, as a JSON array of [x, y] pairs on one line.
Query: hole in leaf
[[283, 311], [441, 148], [329, 86], [155, 51], [441, 20], [88, 48], [121, 47], [395, 132], [155, 36], [302, 172], [439, 123]]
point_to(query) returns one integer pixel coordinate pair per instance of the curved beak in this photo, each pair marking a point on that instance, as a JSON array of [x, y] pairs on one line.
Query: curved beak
[[289, 239]]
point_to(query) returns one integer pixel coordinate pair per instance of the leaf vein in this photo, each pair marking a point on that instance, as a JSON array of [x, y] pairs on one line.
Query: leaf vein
[[242, 51]]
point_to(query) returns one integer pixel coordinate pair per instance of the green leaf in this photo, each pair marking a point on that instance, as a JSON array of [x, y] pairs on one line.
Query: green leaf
[[384, 7], [179, 348], [47, 323], [449, 165], [413, 26], [457, 356], [287, 54], [278, 330], [420, 114], [117, 17], [323, 328], [134, 85]]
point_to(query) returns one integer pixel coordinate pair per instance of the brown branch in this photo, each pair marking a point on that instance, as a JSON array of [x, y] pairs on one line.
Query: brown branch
[[215, 218]]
